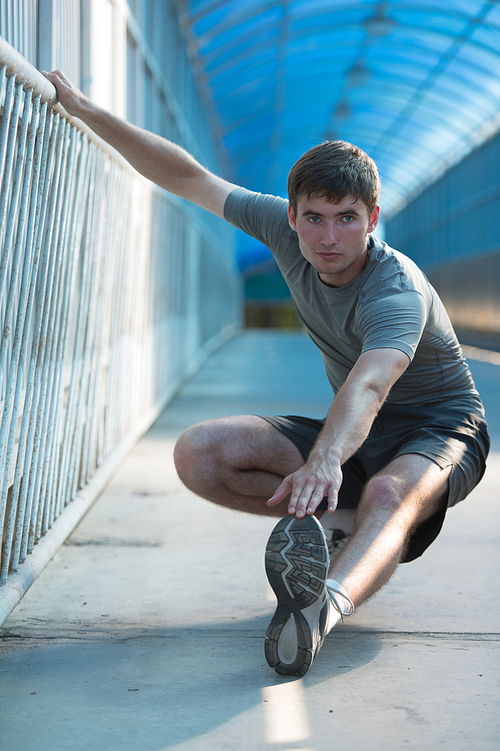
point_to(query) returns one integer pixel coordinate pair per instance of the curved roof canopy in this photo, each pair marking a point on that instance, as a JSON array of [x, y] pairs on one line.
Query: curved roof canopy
[[415, 84]]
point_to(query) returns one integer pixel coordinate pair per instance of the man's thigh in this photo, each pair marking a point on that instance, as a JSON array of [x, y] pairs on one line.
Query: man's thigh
[[242, 442], [237, 462]]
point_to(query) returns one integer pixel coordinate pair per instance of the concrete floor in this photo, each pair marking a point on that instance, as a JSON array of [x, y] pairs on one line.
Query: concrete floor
[[146, 630]]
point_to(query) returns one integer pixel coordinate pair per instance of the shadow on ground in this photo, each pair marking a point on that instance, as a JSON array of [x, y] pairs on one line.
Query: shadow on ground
[[150, 689]]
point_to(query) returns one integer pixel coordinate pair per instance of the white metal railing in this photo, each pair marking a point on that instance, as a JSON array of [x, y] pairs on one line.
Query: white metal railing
[[101, 283], [19, 25]]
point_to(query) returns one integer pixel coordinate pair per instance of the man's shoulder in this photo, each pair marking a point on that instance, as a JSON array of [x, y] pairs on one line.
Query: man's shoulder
[[244, 200], [393, 268], [262, 216]]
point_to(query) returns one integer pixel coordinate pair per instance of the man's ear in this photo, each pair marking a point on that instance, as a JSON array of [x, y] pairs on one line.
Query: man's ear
[[374, 217], [291, 217]]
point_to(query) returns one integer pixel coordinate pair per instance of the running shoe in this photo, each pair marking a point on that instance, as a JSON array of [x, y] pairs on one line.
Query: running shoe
[[297, 567]]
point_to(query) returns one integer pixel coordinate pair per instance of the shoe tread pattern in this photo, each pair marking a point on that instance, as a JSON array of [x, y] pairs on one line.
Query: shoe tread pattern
[[296, 566]]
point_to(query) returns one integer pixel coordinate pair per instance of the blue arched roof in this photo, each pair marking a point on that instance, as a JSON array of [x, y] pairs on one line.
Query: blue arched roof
[[415, 84]]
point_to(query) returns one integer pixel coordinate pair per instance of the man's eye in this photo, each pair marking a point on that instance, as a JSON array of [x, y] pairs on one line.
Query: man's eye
[[347, 219], [314, 219]]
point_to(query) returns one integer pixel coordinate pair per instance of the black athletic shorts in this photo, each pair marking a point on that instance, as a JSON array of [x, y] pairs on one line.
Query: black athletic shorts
[[452, 433]]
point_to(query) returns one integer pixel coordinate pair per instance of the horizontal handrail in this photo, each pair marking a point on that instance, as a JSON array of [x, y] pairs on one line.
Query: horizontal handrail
[[31, 78]]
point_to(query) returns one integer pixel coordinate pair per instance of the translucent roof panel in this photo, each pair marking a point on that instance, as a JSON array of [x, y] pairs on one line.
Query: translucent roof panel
[[415, 84]]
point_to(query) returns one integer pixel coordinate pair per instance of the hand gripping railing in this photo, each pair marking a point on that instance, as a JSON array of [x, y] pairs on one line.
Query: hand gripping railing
[[98, 316]]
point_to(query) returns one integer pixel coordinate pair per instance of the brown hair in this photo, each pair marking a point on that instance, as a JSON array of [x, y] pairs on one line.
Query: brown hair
[[334, 170]]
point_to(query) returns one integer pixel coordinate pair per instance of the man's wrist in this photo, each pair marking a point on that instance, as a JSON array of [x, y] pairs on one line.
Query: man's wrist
[[325, 455]]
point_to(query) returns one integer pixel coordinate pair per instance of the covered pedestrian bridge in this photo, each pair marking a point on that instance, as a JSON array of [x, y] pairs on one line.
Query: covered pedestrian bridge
[[127, 315]]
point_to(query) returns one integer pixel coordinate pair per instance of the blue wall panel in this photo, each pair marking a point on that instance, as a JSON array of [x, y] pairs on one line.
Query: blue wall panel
[[451, 231]]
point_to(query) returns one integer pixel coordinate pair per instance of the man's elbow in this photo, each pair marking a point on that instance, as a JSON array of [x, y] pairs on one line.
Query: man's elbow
[[381, 380]]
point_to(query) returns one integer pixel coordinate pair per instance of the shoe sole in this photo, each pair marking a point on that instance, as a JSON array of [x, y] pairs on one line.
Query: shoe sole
[[296, 564]]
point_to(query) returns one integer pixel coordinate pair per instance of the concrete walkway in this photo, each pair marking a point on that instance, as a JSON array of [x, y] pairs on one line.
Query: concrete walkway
[[146, 630]]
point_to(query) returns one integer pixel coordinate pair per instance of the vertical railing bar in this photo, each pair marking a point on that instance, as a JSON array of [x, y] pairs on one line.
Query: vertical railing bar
[[20, 180], [114, 275], [135, 289], [74, 253], [94, 392], [130, 289], [163, 330], [31, 399], [50, 333], [153, 281], [52, 365], [129, 240], [7, 188], [116, 333], [112, 219], [4, 131], [90, 363], [12, 214], [13, 394], [75, 466], [140, 338], [22, 325], [75, 394], [79, 339], [118, 255], [43, 306], [105, 303], [64, 271], [63, 305], [74, 250], [14, 263], [158, 281], [76, 462]]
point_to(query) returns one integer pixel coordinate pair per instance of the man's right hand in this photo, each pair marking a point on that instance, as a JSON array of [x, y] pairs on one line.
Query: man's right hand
[[71, 98], [319, 478]]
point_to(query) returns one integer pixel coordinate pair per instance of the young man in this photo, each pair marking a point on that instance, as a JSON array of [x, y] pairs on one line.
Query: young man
[[405, 436]]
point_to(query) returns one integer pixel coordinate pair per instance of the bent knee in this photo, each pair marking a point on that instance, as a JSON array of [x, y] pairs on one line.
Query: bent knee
[[383, 492], [191, 450]]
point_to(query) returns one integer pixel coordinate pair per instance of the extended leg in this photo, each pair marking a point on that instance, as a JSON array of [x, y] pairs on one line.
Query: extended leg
[[236, 462], [407, 492], [311, 599]]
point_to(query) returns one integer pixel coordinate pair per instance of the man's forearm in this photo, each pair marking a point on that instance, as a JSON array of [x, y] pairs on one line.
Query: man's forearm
[[358, 402], [348, 422], [163, 162]]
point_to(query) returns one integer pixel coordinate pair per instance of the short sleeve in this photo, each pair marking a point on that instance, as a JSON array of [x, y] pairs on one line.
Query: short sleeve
[[261, 216], [395, 322]]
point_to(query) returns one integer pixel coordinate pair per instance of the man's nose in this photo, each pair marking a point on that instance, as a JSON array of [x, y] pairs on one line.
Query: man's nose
[[329, 237]]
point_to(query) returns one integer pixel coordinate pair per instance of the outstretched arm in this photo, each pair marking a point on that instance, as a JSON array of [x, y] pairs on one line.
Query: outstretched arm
[[163, 162], [346, 427]]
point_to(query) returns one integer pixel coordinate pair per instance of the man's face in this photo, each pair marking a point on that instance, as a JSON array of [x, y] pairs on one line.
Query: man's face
[[333, 237]]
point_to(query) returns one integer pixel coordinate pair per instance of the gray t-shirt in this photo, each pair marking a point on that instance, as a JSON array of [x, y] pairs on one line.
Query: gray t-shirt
[[389, 304]]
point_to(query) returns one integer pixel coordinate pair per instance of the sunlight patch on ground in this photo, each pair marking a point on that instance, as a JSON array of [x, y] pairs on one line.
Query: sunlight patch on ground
[[285, 713]]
